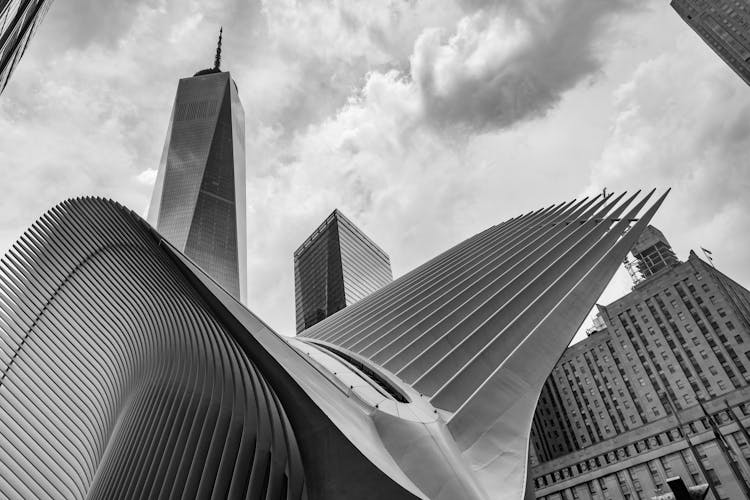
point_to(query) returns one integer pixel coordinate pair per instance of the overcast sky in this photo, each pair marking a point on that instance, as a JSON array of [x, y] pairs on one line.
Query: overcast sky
[[424, 121]]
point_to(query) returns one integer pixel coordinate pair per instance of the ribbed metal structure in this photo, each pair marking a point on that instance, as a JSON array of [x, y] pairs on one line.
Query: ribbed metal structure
[[478, 329], [127, 372], [116, 380]]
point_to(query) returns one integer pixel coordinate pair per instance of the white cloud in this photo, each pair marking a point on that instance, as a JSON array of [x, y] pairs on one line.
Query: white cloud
[[684, 121], [147, 177], [424, 121]]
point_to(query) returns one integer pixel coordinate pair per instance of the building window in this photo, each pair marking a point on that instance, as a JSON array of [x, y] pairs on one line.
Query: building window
[[695, 341], [712, 299], [632, 419], [655, 410], [730, 325], [713, 370], [698, 276], [671, 368], [681, 315], [738, 339], [641, 381], [649, 397], [721, 312], [703, 354], [713, 477], [721, 385]]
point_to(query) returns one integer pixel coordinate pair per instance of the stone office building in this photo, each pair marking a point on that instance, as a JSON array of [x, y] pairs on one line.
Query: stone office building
[[659, 388]]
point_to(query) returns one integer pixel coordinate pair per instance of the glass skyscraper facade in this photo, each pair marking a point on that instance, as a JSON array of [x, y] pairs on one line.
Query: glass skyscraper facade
[[19, 20], [199, 198], [725, 26], [335, 267]]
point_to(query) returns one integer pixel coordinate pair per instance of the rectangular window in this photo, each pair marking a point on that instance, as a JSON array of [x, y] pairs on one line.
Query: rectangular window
[[730, 325], [738, 339], [713, 477]]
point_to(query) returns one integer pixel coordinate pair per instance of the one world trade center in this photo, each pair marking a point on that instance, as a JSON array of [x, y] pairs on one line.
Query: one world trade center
[[198, 203]]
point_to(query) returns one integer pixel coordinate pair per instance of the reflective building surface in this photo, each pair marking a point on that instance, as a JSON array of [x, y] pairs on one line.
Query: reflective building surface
[[199, 197], [19, 20], [661, 387], [725, 26], [335, 267], [127, 372]]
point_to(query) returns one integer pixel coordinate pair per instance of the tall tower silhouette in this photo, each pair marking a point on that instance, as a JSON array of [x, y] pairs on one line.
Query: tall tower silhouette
[[198, 203]]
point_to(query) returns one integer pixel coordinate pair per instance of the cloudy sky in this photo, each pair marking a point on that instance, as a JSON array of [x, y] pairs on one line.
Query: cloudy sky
[[425, 121]]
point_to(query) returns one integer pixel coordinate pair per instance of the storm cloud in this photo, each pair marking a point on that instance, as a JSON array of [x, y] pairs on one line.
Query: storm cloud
[[425, 121]]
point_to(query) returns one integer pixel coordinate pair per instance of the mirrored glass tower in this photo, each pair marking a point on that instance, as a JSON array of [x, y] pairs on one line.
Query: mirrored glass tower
[[335, 267], [198, 203], [724, 25]]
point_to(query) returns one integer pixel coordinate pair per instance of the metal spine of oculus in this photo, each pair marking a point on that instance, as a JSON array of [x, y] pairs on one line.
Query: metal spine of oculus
[[126, 371]]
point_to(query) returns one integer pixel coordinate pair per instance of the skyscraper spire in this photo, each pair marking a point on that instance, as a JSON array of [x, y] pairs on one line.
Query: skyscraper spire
[[217, 60]]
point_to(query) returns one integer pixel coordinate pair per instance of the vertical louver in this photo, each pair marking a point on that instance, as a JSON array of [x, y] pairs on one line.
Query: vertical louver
[[116, 381]]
